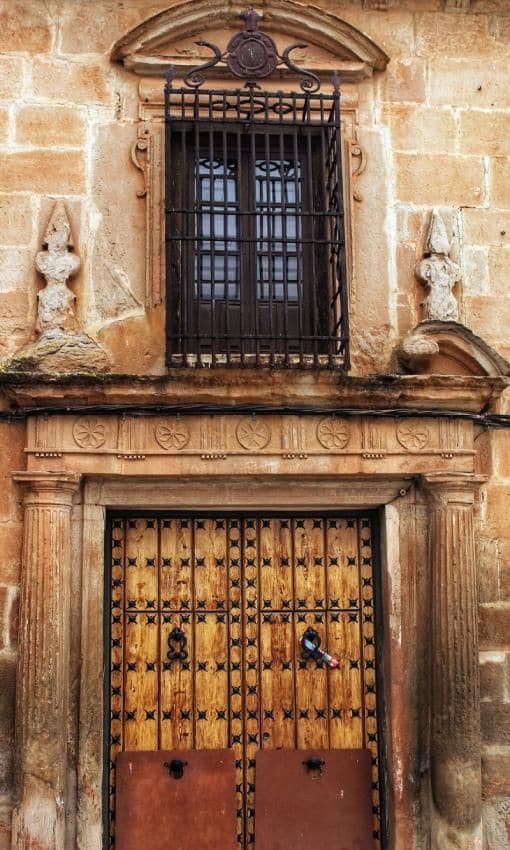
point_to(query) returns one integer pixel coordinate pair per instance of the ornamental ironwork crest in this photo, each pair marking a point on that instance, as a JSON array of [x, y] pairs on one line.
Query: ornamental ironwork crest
[[251, 55]]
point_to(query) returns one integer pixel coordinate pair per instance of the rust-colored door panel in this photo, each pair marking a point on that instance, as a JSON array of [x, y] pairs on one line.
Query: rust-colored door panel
[[308, 799], [174, 800]]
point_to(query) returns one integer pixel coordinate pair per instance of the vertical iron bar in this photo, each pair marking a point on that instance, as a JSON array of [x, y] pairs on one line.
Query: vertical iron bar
[[313, 287], [226, 234], [342, 270], [212, 234], [243, 277], [283, 216], [186, 263], [196, 284], [300, 228]]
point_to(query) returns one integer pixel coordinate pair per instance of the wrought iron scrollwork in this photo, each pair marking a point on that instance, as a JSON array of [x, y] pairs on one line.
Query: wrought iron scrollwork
[[250, 55], [177, 642]]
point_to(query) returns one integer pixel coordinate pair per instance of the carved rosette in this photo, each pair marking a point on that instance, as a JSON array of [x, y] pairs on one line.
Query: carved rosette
[[89, 432], [413, 435], [253, 434], [173, 433], [333, 433]]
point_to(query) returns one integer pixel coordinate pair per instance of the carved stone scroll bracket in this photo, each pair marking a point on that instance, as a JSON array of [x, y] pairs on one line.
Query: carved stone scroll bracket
[[140, 157], [61, 346], [439, 273], [455, 687], [42, 685], [449, 348]]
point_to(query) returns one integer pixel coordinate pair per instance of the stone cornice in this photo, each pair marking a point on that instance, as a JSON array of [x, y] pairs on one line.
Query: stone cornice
[[261, 388]]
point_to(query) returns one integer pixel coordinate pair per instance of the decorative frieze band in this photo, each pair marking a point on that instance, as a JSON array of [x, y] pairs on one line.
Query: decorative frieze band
[[216, 437]]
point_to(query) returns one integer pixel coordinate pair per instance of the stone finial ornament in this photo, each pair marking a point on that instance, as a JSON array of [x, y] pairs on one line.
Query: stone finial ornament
[[61, 346], [439, 273], [57, 264]]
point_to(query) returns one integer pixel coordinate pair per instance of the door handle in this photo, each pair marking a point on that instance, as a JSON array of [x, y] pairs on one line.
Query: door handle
[[310, 642]]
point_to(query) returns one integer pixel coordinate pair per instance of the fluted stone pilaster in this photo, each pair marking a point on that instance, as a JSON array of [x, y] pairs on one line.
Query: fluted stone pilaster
[[43, 662], [455, 687]]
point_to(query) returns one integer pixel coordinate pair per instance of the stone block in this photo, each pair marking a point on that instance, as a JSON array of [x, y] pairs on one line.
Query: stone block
[[405, 81], [7, 685], [487, 560], [11, 77], [494, 676], [16, 269], [499, 271], [24, 26], [44, 126], [84, 82], [461, 82], [485, 134], [486, 227], [422, 129], [94, 27], [4, 125], [499, 187], [440, 179], [393, 31], [475, 271], [10, 546], [504, 571], [494, 626], [496, 774], [42, 171], [488, 316], [495, 719], [464, 35], [16, 220]]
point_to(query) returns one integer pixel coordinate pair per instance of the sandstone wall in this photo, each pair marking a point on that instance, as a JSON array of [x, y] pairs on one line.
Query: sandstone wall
[[436, 129]]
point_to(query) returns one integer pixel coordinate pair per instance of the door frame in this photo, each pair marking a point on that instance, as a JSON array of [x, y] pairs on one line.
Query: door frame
[[403, 540]]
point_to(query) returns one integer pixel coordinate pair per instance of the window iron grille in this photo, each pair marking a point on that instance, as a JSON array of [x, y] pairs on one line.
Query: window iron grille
[[256, 271]]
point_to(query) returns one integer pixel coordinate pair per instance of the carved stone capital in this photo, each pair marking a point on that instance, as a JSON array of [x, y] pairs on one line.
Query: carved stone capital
[[452, 488], [48, 489]]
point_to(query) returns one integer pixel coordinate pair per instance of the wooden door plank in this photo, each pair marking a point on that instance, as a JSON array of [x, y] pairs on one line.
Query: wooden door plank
[[278, 707], [141, 691], [345, 682], [309, 563], [175, 564], [343, 563], [312, 705], [176, 686], [141, 564], [276, 573]]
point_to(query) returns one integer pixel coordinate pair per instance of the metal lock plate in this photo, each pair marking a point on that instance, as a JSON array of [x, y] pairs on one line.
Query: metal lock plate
[[176, 799], [313, 798]]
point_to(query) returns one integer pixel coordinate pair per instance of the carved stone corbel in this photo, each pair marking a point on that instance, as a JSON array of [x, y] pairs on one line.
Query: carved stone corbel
[[61, 346], [455, 687]]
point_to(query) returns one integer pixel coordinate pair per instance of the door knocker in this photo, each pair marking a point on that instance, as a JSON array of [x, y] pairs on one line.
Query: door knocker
[[177, 641], [310, 648]]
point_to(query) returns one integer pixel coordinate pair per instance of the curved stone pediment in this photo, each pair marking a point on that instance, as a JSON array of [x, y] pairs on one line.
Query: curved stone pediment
[[449, 348], [168, 38]]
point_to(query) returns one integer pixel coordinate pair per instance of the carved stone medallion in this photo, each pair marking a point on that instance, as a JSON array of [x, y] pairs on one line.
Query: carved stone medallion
[[413, 436], [253, 433], [89, 432], [173, 433], [333, 433]]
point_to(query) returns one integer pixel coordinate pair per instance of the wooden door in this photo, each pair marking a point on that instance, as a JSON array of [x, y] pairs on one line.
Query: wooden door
[[206, 616]]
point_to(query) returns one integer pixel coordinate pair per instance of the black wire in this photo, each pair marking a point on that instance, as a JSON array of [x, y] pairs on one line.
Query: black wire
[[489, 420]]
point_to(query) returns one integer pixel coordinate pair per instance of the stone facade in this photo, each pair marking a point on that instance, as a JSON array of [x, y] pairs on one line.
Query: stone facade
[[427, 121]]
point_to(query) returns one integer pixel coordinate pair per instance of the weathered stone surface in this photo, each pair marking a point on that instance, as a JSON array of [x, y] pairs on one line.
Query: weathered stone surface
[[462, 82], [43, 171], [11, 77], [61, 354], [405, 81], [93, 27], [500, 182], [74, 82], [45, 126], [24, 26], [486, 227], [496, 774], [440, 179], [480, 135], [422, 129], [16, 220], [495, 626]]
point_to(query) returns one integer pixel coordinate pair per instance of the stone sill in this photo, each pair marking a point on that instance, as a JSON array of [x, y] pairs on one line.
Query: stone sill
[[271, 389]]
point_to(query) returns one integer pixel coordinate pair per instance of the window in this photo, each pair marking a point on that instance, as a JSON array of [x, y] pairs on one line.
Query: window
[[254, 228]]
